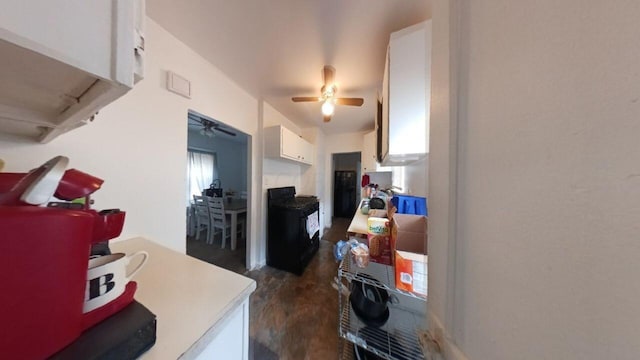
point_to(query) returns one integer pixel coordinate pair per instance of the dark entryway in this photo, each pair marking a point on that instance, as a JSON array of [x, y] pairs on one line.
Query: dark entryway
[[344, 194]]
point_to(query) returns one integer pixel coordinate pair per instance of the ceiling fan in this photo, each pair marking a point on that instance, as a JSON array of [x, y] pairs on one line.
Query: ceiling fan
[[328, 98], [208, 126]]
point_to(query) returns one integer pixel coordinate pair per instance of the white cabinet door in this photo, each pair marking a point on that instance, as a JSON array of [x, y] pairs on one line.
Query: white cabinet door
[[406, 95], [283, 143], [384, 150], [290, 144], [64, 60], [306, 151], [232, 342], [368, 160]]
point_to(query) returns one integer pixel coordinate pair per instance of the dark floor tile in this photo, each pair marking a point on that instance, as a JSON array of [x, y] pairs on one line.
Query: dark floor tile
[[291, 317], [233, 260]]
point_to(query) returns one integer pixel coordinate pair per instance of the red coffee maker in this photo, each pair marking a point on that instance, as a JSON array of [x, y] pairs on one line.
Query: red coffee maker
[[44, 257]]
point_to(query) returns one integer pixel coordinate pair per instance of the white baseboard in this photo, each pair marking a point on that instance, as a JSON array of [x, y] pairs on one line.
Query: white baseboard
[[450, 351], [260, 265]]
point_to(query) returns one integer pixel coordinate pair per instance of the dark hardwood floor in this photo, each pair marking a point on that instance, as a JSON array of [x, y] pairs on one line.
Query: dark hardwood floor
[[291, 317]]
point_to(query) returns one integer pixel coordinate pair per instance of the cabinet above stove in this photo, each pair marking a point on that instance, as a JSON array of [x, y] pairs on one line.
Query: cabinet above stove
[[282, 143]]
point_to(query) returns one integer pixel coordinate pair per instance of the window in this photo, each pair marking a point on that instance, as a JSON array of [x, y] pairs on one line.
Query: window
[[201, 171]]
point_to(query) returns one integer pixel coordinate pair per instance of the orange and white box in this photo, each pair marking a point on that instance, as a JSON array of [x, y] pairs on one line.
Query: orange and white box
[[411, 272]]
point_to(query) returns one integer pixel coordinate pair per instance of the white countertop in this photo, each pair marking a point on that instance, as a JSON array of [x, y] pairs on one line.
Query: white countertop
[[358, 223], [190, 298]]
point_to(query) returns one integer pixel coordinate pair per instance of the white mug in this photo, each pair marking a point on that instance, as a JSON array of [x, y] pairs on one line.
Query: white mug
[[107, 278]]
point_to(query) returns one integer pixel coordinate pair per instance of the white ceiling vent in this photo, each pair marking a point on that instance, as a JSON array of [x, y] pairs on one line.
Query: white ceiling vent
[[178, 84]]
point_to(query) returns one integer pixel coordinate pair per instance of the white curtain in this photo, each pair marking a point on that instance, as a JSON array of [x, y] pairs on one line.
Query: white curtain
[[201, 171]]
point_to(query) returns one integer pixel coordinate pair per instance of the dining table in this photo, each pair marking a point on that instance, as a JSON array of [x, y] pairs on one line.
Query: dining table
[[233, 207]]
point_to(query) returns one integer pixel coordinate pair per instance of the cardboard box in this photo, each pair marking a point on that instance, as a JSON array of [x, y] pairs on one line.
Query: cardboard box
[[410, 232], [379, 240]]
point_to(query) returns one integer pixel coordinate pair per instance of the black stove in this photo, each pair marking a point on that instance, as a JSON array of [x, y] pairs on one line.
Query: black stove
[[293, 229], [298, 202]]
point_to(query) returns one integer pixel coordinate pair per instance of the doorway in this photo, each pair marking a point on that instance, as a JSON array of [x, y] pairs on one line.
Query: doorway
[[217, 168], [346, 193]]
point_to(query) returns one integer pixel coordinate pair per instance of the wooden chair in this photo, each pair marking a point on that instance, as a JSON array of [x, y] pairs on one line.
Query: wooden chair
[[201, 214], [242, 217], [217, 219], [191, 220]]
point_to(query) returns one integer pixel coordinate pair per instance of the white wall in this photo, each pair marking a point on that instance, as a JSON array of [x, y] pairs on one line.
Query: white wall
[[273, 117], [545, 237], [313, 177], [137, 144], [278, 172], [275, 172], [416, 178]]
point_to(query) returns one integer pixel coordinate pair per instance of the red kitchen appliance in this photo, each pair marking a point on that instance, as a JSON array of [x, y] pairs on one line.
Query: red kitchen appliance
[[45, 252]]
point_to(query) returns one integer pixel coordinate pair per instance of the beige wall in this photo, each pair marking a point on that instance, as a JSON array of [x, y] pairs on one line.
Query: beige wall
[[138, 143], [540, 258], [313, 177]]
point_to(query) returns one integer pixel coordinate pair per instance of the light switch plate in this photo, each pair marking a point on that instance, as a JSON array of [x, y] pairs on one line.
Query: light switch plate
[[178, 84]]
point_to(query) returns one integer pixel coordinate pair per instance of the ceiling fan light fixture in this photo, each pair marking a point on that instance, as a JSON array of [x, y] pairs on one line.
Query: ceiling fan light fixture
[[328, 91], [328, 98], [328, 107], [208, 132]]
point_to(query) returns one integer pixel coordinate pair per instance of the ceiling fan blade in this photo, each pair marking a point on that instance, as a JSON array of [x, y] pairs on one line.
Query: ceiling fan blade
[[350, 101], [305, 98], [326, 118], [328, 74], [225, 131]]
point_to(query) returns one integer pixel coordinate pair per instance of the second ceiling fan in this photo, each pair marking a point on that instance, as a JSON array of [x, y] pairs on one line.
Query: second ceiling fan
[[208, 126], [328, 98]]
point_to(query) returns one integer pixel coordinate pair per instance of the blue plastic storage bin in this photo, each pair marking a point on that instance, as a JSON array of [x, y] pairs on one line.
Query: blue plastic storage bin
[[407, 204]]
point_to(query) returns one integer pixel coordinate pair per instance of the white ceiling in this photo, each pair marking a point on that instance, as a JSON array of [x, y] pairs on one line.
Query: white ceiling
[[276, 49]]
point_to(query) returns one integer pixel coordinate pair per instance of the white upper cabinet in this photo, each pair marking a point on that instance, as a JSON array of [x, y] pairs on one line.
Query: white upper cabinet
[[406, 95], [283, 143], [369, 162], [369, 159], [62, 61]]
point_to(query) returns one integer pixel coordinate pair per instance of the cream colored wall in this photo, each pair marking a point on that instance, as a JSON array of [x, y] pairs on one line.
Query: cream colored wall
[[411, 179], [273, 117], [276, 172], [313, 176], [138, 143], [543, 247], [442, 177]]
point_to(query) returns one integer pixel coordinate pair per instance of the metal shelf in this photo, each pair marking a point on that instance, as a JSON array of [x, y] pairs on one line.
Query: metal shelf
[[397, 339], [346, 350], [381, 272]]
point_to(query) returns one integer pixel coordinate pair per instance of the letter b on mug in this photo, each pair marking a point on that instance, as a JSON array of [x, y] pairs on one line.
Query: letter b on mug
[[101, 285], [107, 278]]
